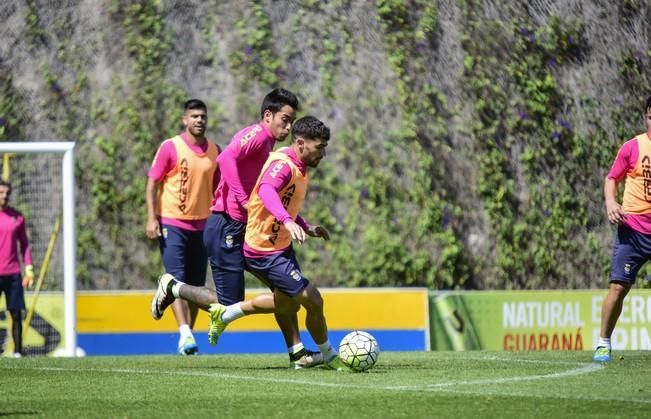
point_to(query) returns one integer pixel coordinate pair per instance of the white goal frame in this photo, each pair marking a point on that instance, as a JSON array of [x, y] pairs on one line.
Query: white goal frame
[[69, 237]]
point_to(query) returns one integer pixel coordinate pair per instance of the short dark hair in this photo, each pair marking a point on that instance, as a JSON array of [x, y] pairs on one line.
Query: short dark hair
[[5, 183], [309, 127], [276, 99], [194, 104], [648, 104]]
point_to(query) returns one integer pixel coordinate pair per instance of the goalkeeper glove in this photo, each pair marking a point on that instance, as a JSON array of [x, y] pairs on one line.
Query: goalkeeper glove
[[28, 278]]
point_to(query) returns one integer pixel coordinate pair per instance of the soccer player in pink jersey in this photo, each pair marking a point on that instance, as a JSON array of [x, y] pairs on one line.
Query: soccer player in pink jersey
[[180, 187], [240, 164], [274, 222], [632, 246], [13, 240]]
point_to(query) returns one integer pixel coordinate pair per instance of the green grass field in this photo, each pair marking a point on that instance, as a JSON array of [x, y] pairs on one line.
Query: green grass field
[[402, 385]]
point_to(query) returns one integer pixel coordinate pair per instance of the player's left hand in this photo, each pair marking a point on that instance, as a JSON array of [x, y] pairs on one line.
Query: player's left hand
[[318, 231], [28, 278]]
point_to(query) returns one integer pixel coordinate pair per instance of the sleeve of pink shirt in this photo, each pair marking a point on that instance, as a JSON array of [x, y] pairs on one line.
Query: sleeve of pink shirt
[[625, 160], [272, 182], [164, 161], [216, 177], [228, 163], [24, 243]]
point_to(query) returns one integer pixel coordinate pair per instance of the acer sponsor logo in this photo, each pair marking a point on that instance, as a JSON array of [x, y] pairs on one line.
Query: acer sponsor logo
[[249, 135], [183, 190], [285, 199]]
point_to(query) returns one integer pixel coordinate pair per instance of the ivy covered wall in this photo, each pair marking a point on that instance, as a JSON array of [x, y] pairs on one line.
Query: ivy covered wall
[[470, 138]]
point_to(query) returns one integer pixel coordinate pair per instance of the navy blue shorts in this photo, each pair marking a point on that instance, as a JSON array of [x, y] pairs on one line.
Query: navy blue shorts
[[279, 271], [12, 286], [184, 254], [223, 238], [630, 251]]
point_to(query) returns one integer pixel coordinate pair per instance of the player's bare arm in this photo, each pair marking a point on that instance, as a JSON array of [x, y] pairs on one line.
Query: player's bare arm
[[153, 227], [614, 211]]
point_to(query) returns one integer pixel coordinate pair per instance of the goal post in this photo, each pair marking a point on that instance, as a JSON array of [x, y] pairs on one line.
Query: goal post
[[66, 149]]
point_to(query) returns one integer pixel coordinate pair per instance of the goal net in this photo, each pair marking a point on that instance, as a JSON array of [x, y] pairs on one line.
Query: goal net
[[42, 180]]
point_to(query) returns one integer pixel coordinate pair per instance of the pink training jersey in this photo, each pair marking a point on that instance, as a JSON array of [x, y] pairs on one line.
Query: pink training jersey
[[12, 234], [164, 162], [624, 164], [240, 164], [272, 182]]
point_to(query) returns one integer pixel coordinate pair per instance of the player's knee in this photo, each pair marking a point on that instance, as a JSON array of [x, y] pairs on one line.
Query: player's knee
[[313, 300]]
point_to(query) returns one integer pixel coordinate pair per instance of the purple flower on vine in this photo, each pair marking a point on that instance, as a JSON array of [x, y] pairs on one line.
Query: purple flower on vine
[[523, 31], [565, 124]]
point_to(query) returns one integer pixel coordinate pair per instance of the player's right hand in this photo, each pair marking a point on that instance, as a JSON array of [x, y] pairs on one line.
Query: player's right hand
[[153, 229], [295, 231], [615, 212], [28, 278]]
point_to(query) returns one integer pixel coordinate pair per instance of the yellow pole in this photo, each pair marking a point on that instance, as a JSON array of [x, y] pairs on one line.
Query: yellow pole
[[5, 166], [41, 274]]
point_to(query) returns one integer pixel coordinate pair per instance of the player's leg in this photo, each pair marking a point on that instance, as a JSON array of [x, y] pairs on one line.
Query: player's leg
[[223, 239], [173, 248], [196, 263], [268, 270], [16, 306], [283, 273], [286, 319], [630, 251], [17, 332], [612, 307]]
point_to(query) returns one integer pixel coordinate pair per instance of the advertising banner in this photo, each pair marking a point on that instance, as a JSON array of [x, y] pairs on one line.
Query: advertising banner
[[534, 320]]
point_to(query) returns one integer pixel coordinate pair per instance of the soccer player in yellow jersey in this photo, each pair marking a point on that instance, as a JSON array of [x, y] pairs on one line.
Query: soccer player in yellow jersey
[[632, 247], [274, 222], [179, 191]]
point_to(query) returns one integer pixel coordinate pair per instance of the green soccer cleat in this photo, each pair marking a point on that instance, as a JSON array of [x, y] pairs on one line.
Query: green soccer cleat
[[163, 296], [305, 359], [335, 363], [188, 346], [602, 354], [217, 325]]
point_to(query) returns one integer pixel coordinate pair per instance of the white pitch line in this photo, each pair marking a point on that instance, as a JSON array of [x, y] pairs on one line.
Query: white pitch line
[[446, 387], [586, 369]]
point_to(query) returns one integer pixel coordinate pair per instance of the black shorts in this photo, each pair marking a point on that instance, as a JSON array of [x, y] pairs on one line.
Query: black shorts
[[12, 286]]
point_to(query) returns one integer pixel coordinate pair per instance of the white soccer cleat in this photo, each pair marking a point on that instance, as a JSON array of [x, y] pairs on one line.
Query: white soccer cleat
[[305, 359], [163, 296]]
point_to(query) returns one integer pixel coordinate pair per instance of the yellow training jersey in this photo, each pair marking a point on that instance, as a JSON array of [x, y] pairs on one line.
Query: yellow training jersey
[[637, 192], [263, 232], [187, 189]]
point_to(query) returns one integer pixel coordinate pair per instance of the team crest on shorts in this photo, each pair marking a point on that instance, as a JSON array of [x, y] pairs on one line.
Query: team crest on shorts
[[165, 232], [229, 241], [296, 275], [627, 268]]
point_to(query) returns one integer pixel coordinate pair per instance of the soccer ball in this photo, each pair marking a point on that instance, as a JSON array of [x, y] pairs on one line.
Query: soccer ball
[[359, 350]]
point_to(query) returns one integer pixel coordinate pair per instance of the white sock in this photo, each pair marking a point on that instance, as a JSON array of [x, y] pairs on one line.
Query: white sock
[[605, 342], [327, 350], [233, 312], [184, 331], [175, 289], [296, 348]]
